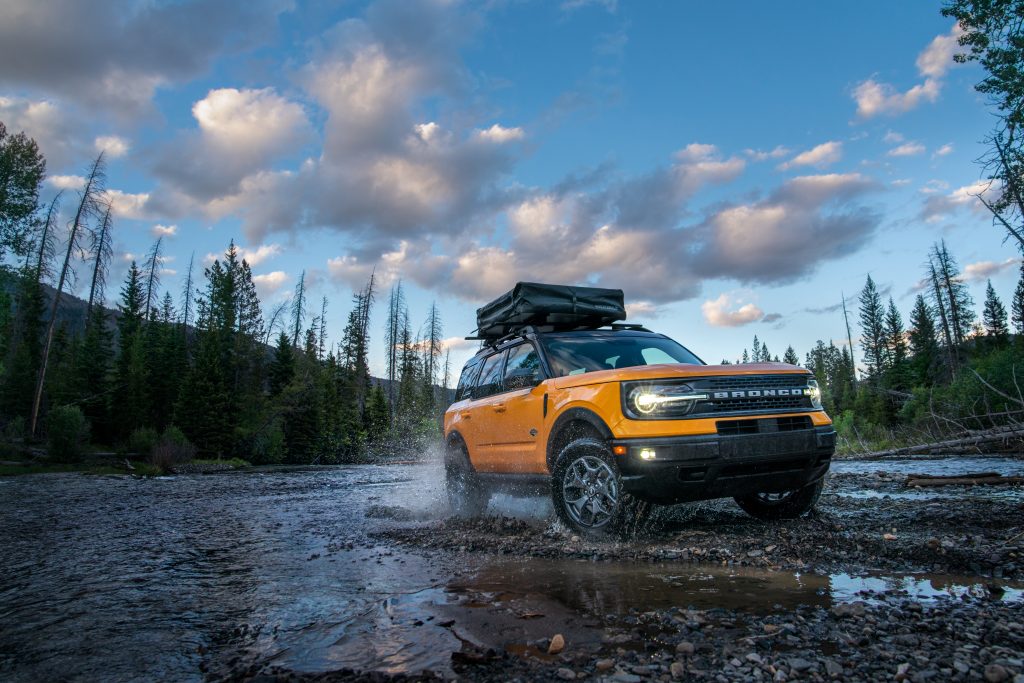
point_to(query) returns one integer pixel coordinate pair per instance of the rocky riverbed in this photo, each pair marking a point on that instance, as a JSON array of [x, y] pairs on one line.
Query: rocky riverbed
[[359, 573]]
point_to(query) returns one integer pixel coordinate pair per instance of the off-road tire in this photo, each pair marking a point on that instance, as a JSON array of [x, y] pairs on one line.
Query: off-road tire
[[467, 497], [794, 503], [625, 514]]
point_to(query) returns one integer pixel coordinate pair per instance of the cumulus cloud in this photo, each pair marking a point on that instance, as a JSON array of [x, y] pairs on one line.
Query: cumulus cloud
[[268, 284], [500, 134], [943, 151], [763, 155], [822, 155], [112, 146], [128, 205], [983, 270], [728, 310], [892, 137], [66, 182], [785, 236], [256, 256], [164, 230], [58, 132], [114, 54], [907, 149], [642, 309], [874, 98], [936, 59], [239, 132], [938, 206]]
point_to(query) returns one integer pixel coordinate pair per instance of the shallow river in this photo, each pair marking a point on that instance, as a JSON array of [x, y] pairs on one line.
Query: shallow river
[[118, 578]]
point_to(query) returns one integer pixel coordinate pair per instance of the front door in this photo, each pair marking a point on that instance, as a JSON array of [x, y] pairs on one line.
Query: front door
[[518, 414]]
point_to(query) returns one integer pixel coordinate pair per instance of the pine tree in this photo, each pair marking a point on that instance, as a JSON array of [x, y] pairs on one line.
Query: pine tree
[[1017, 304], [790, 356], [896, 349], [396, 305], [282, 367], [924, 345], [957, 299], [378, 415], [994, 317], [130, 403], [298, 308], [872, 323]]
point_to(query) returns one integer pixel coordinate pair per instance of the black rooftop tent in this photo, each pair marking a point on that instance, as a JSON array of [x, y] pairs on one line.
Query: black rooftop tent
[[558, 306]]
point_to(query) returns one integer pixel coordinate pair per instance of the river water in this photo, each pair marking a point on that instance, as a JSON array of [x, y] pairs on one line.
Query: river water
[[119, 578]]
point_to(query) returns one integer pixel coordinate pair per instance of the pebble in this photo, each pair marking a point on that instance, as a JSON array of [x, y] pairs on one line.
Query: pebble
[[996, 673], [623, 677], [685, 648], [800, 665], [604, 664], [567, 674], [557, 645], [677, 670]]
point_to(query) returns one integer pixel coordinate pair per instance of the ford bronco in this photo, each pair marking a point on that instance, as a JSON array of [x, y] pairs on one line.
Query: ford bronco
[[611, 418]]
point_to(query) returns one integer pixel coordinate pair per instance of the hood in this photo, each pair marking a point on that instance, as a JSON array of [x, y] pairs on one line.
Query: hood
[[675, 370]]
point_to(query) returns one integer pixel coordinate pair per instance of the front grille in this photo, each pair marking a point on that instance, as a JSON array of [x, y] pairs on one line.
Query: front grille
[[762, 403], [758, 384]]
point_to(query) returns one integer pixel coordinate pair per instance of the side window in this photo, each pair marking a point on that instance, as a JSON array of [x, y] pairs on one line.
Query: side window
[[466, 380], [490, 376], [523, 368]]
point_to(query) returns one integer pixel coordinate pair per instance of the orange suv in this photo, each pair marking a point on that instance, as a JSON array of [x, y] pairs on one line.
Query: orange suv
[[611, 418]]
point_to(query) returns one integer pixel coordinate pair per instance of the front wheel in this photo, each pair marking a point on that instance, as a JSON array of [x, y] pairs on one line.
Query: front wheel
[[786, 505], [588, 495]]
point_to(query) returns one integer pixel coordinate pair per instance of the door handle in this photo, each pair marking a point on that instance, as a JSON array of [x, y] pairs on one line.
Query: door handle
[[500, 408], [466, 415]]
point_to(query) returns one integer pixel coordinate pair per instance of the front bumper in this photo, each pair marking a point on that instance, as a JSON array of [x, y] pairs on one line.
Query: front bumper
[[689, 468]]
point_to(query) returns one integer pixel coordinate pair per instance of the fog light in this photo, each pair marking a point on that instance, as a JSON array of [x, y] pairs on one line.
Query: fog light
[[647, 454]]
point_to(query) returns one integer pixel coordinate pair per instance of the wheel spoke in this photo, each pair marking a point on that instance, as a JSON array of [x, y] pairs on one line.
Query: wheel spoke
[[590, 491]]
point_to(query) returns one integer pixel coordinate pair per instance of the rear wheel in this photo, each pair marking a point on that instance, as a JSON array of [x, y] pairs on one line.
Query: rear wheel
[[785, 505], [467, 497], [588, 494]]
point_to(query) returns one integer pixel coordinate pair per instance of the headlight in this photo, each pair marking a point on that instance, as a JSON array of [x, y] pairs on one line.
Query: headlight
[[815, 390], [659, 400]]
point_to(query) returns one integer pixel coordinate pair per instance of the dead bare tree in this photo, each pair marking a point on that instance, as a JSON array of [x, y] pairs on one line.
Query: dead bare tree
[[102, 252], [88, 208], [154, 262]]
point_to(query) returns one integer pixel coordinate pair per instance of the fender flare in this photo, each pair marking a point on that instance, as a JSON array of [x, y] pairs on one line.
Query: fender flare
[[574, 415]]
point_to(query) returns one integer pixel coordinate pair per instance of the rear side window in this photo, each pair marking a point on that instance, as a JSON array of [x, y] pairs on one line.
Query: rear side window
[[467, 379], [490, 376]]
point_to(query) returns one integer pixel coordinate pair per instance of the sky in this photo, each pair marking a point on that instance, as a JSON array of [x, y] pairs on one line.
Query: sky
[[735, 168]]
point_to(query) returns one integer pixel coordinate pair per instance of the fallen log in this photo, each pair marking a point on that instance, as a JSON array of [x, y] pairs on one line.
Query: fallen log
[[963, 475], [965, 442], [965, 480]]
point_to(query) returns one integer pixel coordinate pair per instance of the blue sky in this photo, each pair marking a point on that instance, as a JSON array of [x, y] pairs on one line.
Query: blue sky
[[733, 167]]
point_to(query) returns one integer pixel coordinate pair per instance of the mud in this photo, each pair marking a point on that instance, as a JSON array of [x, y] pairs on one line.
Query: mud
[[359, 574]]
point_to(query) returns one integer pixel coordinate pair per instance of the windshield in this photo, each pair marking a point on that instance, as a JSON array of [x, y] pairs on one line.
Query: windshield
[[574, 355]]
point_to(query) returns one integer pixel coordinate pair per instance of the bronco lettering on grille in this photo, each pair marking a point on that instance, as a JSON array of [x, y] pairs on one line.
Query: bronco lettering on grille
[[758, 393]]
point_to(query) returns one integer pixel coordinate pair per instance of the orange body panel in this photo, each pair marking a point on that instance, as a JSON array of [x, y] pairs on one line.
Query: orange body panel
[[508, 432]]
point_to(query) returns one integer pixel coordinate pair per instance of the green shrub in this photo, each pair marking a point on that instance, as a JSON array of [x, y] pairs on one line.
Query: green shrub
[[268, 448], [171, 450], [15, 429], [142, 441], [67, 431]]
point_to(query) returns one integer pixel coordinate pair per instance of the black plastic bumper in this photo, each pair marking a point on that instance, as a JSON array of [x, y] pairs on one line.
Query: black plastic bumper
[[690, 468]]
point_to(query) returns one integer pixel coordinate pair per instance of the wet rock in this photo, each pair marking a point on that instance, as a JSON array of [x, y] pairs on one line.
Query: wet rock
[[685, 648], [833, 668], [604, 664], [996, 673], [799, 665], [557, 644], [566, 674], [625, 677], [846, 610], [677, 670]]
